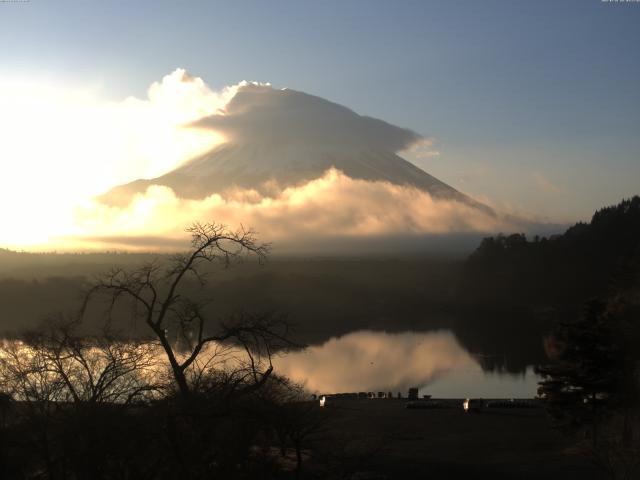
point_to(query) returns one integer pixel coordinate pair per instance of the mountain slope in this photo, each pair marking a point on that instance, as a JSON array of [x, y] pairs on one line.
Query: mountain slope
[[282, 138]]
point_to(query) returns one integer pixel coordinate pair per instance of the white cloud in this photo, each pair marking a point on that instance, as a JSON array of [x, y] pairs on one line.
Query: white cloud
[[261, 114], [421, 149], [332, 206], [61, 146]]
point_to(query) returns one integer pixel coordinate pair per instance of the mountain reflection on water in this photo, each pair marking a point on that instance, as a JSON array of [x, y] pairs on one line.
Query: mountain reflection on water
[[378, 361]]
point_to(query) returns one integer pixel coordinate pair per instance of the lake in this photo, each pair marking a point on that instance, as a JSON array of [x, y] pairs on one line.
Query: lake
[[374, 361]]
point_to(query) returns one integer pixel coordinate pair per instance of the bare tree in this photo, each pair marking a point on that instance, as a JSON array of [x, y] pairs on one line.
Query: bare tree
[[100, 368], [25, 377], [156, 292], [73, 391], [59, 364], [297, 420]]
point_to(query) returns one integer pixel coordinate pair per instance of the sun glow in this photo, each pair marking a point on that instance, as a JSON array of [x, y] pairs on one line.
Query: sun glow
[[62, 146]]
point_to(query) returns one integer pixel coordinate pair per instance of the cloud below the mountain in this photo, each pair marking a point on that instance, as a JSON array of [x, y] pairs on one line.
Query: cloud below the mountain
[[86, 145], [330, 207]]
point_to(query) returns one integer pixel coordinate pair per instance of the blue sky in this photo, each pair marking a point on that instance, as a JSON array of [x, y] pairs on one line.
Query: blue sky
[[534, 105]]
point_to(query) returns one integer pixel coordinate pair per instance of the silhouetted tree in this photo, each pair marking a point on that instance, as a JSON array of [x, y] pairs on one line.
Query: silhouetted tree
[[155, 291], [73, 393], [6, 407], [298, 422], [217, 368], [593, 379], [580, 385]]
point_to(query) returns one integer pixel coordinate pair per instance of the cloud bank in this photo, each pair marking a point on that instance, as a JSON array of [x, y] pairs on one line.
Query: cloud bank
[[64, 147], [333, 206], [61, 146]]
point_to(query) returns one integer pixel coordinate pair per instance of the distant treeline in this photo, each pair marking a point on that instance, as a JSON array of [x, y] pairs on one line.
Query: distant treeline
[[512, 290], [323, 298], [561, 270]]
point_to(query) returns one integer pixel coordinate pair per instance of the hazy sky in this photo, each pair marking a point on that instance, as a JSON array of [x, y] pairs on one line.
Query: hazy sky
[[533, 105]]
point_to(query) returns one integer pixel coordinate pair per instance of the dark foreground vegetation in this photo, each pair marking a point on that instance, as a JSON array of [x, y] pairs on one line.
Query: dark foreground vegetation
[[153, 380], [182, 399], [588, 282], [445, 442], [562, 270]]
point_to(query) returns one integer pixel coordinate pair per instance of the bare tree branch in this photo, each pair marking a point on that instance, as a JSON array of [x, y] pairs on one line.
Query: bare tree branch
[[155, 292]]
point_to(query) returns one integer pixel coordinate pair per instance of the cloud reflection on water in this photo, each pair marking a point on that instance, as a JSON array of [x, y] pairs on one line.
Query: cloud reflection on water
[[368, 361], [380, 361]]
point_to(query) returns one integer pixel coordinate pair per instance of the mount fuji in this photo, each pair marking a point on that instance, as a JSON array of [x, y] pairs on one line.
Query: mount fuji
[[282, 138]]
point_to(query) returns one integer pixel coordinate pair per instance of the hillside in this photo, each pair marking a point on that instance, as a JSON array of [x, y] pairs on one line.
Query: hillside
[[282, 138], [561, 270]]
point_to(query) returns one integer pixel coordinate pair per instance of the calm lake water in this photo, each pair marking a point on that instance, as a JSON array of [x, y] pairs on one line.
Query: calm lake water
[[393, 362]]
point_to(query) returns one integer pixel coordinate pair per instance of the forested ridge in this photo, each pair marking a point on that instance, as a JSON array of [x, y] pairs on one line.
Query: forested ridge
[[559, 270]]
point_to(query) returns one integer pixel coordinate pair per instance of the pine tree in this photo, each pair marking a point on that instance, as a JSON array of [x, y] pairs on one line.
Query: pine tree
[[582, 385]]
